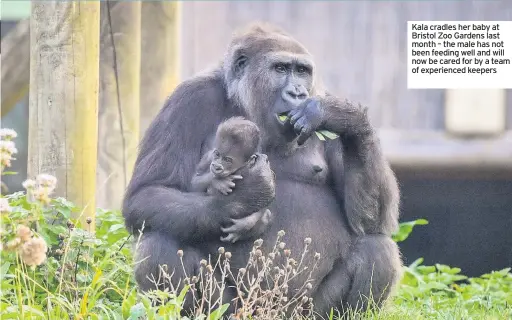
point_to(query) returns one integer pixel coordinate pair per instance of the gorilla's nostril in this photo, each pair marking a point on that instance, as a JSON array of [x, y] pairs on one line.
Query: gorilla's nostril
[[292, 94]]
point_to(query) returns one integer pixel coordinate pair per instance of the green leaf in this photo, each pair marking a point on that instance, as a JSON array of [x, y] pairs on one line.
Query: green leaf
[[329, 134], [137, 311], [150, 312], [4, 269], [218, 313], [406, 228], [320, 136], [128, 303], [283, 117]]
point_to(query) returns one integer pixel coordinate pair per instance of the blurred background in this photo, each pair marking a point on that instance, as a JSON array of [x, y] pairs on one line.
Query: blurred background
[[451, 149]]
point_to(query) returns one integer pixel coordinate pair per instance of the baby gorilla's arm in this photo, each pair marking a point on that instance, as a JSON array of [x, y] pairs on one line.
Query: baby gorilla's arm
[[200, 183], [247, 227], [203, 177]]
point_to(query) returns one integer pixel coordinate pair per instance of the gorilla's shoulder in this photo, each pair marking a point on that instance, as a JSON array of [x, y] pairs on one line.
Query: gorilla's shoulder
[[204, 90]]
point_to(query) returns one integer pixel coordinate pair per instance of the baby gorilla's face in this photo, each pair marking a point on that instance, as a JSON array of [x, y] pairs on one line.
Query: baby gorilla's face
[[226, 163]]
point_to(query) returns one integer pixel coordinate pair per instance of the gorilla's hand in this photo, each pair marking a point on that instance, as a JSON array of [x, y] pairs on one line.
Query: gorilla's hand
[[254, 192], [245, 228], [307, 118], [225, 185]]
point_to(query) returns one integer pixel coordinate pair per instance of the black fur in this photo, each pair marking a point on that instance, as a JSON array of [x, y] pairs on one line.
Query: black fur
[[341, 193]]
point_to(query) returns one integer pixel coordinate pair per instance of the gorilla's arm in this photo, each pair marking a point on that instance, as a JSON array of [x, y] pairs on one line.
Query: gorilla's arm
[[157, 195], [361, 175], [203, 177]]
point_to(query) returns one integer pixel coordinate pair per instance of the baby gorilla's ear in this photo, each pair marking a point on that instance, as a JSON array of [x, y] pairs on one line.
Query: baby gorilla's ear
[[252, 160]]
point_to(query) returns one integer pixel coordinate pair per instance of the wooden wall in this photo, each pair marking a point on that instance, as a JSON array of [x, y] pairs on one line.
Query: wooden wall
[[360, 47]]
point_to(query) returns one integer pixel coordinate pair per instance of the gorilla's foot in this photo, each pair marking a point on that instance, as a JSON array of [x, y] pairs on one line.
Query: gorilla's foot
[[365, 280]]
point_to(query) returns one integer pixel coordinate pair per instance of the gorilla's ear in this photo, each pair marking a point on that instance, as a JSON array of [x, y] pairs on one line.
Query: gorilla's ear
[[239, 65]]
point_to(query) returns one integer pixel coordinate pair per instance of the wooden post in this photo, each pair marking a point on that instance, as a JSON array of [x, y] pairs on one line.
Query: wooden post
[[63, 98], [119, 99], [160, 56]]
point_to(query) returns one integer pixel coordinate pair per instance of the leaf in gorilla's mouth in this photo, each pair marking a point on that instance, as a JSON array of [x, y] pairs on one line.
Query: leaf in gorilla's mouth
[[321, 134], [282, 117]]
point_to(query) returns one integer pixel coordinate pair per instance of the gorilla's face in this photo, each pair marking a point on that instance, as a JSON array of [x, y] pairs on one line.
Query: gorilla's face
[[226, 160], [270, 74]]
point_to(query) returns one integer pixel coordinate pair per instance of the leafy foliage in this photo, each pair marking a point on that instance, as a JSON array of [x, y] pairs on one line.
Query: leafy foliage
[[85, 274]]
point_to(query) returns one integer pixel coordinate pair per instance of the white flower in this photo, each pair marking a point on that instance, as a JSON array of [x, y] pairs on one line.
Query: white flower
[[46, 180], [29, 184], [7, 134], [4, 206], [7, 146]]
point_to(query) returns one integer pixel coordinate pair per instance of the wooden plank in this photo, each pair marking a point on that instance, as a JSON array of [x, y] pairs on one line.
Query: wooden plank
[[160, 56], [428, 149], [63, 120], [119, 116]]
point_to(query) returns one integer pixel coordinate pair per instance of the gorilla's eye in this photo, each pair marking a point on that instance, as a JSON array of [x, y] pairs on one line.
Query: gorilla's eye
[[216, 153], [301, 69], [228, 160], [281, 68]]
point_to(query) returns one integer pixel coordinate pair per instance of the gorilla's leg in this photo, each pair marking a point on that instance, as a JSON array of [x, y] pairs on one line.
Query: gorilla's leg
[[158, 266], [364, 279]]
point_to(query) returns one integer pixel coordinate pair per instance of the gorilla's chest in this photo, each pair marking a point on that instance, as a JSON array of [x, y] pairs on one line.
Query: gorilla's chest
[[306, 164]]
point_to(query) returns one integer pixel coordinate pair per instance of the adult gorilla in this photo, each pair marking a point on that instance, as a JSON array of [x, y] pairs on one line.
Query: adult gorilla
[[341, 193]]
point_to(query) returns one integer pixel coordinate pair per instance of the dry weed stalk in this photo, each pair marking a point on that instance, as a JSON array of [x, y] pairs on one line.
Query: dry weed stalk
[[262, 286]]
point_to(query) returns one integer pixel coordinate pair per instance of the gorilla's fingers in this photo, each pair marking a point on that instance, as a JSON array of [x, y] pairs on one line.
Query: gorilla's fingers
[[232, 238], [236, 177], [303, 136], [295, 115], [303, 123], [233, 228], [225, 190], [297, 127]]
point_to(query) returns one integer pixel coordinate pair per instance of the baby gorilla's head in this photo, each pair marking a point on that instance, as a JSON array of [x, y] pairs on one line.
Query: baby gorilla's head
[[236, 142]]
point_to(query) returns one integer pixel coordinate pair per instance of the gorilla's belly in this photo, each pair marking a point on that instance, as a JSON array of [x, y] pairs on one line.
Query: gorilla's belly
[[305, 210]]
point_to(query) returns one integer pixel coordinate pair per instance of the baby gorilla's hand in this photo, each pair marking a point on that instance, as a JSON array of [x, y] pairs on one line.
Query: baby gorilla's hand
[[247, 227], [225, 185]]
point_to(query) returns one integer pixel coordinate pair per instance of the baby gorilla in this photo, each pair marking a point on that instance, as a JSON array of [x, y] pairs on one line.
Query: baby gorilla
[[236, 144]]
